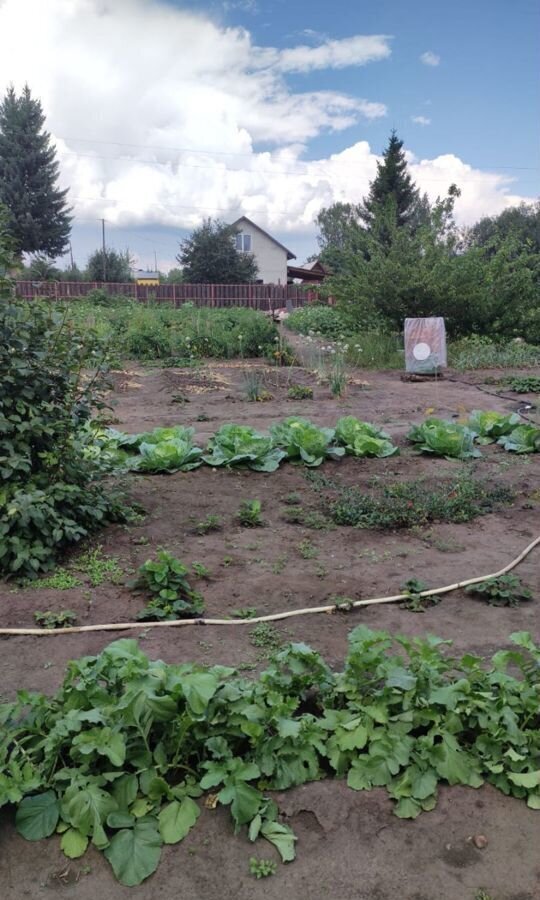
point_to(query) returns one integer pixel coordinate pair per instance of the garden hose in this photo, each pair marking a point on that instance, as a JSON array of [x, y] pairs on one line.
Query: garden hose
[[274, 617]]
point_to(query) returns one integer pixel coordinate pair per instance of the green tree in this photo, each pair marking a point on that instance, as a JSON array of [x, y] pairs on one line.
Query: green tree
[[521, 222], [209, 256], [39, 218], [392, 182], [175, 276], [117, 266], [43, 269]]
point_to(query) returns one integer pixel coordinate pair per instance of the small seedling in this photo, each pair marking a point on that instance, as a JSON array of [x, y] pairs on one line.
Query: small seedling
[[481, 894], [61, 619], [244, 612], [141, 541], [292, 499], [99, 568], [266, 637], [165, 578], [201, 571], [202, 417], [180, 398], [262, 868], [254, 387], [300, 392], [210, 523], [279, 565], [413, 590], [506, 590], [249, 514], [307, 550], [60, 580]]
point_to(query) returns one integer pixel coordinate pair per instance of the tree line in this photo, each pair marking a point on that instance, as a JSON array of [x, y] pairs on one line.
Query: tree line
[[393, 255]]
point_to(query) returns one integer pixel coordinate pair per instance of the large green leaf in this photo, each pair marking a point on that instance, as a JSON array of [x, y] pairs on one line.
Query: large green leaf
[[525, 779], [37, 816], [73, 843], [282, 838], [176, 819], [134, 853]]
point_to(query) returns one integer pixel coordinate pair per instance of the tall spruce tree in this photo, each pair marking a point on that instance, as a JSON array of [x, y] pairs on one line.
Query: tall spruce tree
[[39, 218], [392, 188]]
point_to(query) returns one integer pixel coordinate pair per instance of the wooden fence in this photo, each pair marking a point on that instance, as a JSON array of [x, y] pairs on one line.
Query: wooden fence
[[256, 296]]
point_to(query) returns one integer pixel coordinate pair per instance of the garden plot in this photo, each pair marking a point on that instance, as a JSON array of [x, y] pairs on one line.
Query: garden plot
[[300, 556]]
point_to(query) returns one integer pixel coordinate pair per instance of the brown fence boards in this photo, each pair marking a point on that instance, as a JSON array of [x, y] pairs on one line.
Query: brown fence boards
[[257, 296]]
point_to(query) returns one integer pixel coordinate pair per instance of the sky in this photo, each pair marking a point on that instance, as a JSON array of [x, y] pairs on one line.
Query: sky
[[165, 112]]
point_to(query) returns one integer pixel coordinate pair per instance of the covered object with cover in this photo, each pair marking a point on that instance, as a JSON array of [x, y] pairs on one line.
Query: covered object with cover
[[425, 345]]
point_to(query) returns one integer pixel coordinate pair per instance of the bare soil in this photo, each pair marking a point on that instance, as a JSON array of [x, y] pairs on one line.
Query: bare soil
[[350, 845]]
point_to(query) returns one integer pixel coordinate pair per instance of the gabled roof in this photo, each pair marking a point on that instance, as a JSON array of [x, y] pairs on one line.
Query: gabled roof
[[290, 254], [143, 273]]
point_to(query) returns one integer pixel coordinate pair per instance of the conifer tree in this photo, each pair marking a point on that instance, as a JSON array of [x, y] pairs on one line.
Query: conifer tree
[[39, 218], [392, 188]]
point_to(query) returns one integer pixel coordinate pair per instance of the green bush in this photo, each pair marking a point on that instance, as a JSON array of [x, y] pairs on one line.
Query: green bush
[[52, 495], [478, 352], [325, 321], [186, 333]]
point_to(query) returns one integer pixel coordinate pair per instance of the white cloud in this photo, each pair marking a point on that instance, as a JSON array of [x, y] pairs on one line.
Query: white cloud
[[159, 115], [353, 51], [430, 59], [420, 120]]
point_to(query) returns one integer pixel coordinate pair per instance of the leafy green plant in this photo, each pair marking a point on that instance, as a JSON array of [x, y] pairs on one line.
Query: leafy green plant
[[443, 438], [266, 637], [406, 504], [479, 352], [415, 602], [51, 495], [249, 514], [120, 755], [504, 590], [525, 384], [262, 868], [98, 568], [363, 439], [301, 440], [489, 426], [173, 597], [60, 619], [523, 439], [242, 445], [201, 571], [245, 612], [60, 580], [211, 522], [300, 392]]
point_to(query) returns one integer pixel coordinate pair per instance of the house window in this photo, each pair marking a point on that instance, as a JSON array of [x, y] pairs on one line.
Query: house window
[[243, 242]]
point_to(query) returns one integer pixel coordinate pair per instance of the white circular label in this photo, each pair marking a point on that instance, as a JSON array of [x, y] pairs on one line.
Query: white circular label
[[421, 351]]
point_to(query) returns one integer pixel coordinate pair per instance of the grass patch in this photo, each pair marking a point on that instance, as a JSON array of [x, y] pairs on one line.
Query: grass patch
[[60, 580], [481, 353], [99, 568], [407, 504]]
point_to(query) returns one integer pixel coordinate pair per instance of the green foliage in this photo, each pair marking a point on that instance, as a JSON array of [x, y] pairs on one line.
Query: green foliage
[[319, 320], [300, 392], [182, 335], [392, 187], [254, 382], [209, 256], [336, 372], [60, 619], [363, 439], [60, 580], [444, 438], [109, 266], [165, 578], [415, 602], [504, 590], [120, 755], [242, 445], [98, 568], [43, 269], [301, 440], [245, 612], [249, 514], [523, 439], [525, 384], [406, 504], [480, 352], [266, 637], [489, 426], [307, 550], [39, 218], [262, 868], [211, 522], [52, 495]]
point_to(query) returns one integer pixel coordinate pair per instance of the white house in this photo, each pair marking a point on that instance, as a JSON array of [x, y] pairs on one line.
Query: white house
[[271, 256]]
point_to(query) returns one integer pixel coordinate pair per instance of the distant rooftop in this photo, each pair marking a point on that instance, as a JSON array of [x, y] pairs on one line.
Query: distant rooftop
[[143, 273]]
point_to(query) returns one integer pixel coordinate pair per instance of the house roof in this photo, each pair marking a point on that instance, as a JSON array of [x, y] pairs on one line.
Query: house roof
[[290, 254], [143, 273]]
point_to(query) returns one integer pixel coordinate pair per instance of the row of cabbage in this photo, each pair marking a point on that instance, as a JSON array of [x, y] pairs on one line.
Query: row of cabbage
[[173, 449]]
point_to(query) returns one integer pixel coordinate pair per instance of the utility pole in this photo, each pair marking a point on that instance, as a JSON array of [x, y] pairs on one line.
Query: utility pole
[[71, 255], [104, 250], [155, 261]]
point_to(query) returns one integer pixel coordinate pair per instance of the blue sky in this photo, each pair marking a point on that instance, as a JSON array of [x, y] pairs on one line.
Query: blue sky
[[180, 109]]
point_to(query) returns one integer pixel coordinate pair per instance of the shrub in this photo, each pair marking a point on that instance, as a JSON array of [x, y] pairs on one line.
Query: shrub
[[325, 321], [476, 352], [52, 494], [300, 392]]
